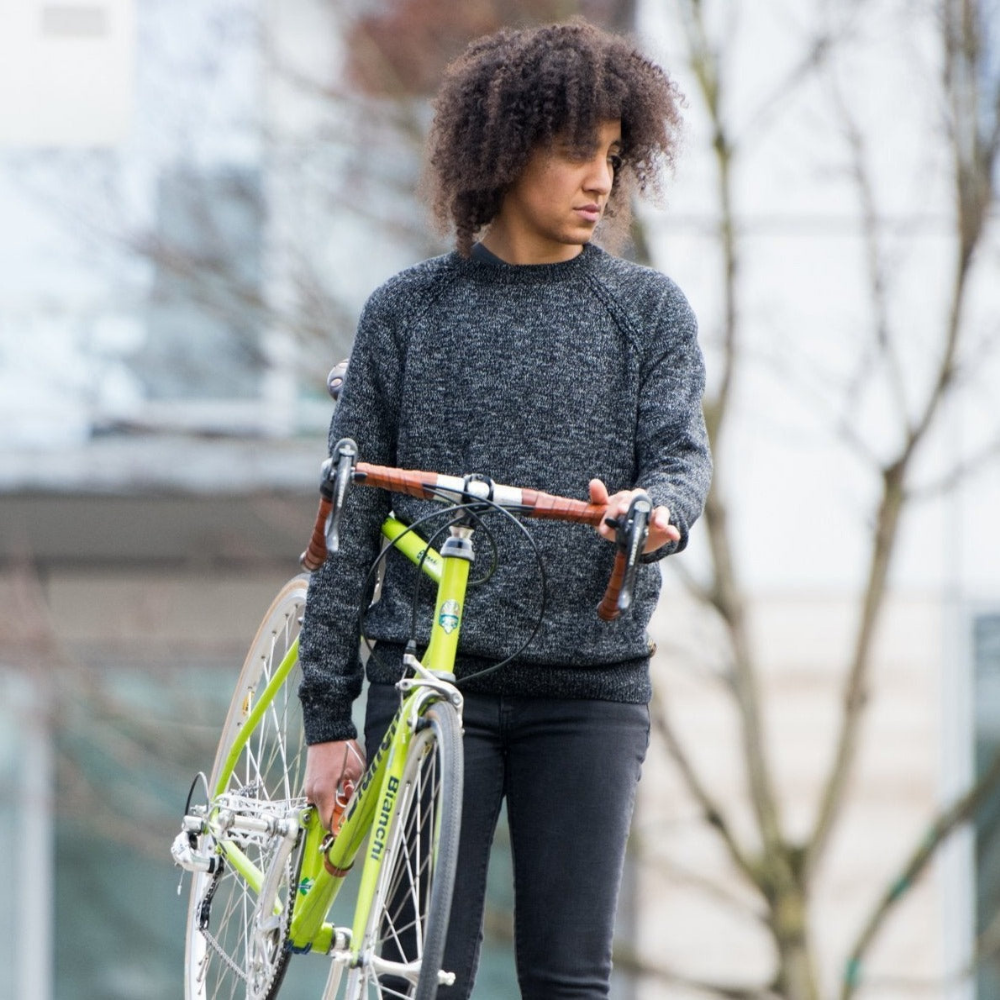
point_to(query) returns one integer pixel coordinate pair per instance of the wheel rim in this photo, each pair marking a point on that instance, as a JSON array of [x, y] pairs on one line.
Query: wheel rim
[[406, 899]]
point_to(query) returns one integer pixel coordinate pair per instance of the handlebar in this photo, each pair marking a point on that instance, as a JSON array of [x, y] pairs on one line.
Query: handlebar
[[343, 469]]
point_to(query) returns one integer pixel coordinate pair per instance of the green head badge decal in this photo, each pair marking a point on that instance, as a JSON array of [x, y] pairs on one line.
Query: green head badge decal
[[449, 616]]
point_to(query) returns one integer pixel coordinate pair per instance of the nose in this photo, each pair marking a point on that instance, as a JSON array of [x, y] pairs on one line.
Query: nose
[[600, 176]]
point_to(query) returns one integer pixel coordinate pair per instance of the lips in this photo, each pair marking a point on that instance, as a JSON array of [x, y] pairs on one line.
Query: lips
[[590, 212]]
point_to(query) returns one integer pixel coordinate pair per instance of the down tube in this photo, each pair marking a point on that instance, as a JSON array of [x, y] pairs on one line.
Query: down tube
[[250, 723], [384, 808]]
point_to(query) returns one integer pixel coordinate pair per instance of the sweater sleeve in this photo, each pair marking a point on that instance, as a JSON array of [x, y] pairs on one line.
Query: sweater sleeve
[[672, 453], [331, 627]]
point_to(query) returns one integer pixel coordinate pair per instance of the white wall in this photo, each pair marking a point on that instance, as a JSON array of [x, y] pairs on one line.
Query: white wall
[[66, 72]]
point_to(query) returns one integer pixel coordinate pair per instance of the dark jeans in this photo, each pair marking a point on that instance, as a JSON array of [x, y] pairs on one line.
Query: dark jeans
[[569, 770]]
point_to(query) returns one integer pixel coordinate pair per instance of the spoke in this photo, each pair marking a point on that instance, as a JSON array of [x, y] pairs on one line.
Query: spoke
[[413, 872]]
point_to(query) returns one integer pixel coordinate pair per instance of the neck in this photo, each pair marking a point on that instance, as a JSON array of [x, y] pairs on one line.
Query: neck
[[512, 250]]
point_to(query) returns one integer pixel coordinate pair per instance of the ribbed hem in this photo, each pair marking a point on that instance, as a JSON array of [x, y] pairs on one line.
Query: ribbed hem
[[626, 682]]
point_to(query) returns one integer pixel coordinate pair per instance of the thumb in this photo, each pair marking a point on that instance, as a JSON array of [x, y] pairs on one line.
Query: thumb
[[598, 492]]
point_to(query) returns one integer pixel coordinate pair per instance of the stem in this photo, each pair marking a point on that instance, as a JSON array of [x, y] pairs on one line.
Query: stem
[[856, 689], [727, 596]]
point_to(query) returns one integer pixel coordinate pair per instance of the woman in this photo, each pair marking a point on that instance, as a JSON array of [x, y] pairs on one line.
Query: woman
[[533, 356]]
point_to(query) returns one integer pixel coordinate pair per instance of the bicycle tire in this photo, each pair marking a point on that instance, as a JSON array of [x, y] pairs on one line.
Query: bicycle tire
[[225, 959], [421, 856]]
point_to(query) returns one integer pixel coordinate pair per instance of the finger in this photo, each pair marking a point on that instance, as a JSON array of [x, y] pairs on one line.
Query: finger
[[617, 510], [598, 492], [599, 496], [669, 534], [358, 761], [661, 531], [324, 805]]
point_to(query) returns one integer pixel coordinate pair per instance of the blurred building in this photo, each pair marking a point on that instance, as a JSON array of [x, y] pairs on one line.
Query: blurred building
[[812, 416], [177, 277], [158, 463]]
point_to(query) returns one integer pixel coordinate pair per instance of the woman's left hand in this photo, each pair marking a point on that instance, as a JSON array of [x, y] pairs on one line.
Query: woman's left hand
[[661, 531]]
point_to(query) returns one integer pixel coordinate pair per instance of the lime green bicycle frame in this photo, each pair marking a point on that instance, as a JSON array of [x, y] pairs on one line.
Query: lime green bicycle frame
[[325, 863]]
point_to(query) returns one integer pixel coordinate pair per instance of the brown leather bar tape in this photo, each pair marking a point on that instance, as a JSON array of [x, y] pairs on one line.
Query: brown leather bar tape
[[413, 483], [315, 555], [607, 610], [546, 506]]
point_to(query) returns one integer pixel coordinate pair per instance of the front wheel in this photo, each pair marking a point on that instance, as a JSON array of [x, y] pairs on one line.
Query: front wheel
[[403, 945]]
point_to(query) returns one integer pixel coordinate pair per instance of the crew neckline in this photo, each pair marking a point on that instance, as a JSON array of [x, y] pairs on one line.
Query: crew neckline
[[483, 263]]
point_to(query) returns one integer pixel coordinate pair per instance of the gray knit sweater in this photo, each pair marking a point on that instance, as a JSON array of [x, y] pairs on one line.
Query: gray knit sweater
[[540, 376]]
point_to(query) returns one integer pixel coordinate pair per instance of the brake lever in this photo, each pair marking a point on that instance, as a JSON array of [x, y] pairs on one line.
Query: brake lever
[[338, 474], [630, 536]]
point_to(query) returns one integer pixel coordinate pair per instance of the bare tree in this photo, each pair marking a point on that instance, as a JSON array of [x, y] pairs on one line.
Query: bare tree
[[781, 869]]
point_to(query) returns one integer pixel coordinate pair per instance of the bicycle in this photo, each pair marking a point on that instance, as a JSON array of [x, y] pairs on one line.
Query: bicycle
[[265, 870]]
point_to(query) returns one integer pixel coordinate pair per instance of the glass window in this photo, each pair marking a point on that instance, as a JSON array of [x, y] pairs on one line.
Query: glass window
[[986, 653], [128, 743], [204, 314], [25, 838]]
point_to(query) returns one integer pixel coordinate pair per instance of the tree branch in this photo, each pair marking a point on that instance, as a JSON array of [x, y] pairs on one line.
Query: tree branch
[[957, 814], [727, 598], [627, 959], [875, 259], [959, 473], [711, 810], [724, 895]]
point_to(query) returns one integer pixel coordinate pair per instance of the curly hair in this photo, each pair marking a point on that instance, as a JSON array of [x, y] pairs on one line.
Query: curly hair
[[516, 90]]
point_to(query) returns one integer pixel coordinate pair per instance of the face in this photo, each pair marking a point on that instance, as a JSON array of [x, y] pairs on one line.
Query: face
[[554, 206]]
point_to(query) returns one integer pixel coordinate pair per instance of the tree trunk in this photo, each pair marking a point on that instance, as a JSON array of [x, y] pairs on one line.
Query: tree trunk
[[796, 969]]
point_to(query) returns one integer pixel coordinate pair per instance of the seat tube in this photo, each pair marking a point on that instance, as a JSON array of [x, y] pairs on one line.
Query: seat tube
[[456, 559]]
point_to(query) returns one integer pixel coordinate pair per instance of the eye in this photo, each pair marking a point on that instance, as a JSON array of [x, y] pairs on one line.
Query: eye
[[615, 159]]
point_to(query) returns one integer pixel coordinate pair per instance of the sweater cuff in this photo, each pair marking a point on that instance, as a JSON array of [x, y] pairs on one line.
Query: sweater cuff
[[325, 722], [661, 553], [676, 519]]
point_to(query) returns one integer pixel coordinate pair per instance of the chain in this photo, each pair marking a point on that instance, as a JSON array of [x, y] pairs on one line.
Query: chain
[[205, 907], [203, 915], [236, 970], [217, 946]]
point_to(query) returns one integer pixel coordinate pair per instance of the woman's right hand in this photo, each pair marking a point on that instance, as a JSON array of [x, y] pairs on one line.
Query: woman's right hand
[[332, 767]]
